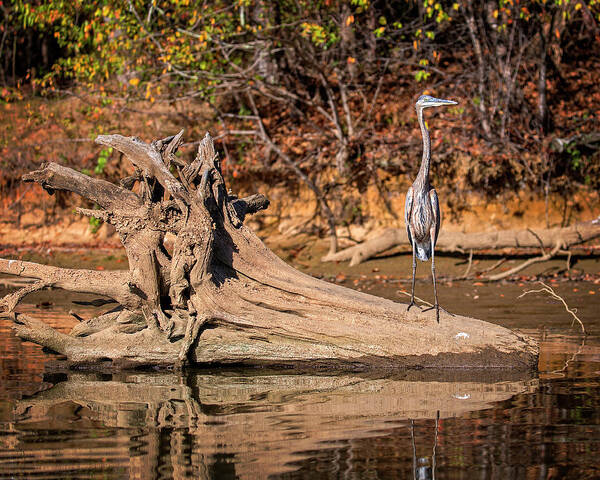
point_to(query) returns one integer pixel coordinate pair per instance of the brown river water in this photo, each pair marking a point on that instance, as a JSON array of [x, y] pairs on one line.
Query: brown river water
[[253, 424]]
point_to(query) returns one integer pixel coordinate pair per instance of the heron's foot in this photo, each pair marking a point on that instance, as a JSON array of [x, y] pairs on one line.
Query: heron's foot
[[413, 304], [437, 311]]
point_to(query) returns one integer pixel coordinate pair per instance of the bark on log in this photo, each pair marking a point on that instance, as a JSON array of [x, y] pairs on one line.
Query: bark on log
[[463, 242], [222, 296]]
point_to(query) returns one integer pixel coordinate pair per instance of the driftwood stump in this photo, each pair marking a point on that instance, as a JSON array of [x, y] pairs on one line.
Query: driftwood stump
[[221, 296]]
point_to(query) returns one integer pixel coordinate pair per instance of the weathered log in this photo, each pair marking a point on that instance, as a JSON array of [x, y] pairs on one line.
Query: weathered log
[[463, 242], [222, 296]]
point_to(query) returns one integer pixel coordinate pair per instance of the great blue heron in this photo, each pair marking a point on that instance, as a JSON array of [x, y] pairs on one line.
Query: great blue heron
[[422, 209]]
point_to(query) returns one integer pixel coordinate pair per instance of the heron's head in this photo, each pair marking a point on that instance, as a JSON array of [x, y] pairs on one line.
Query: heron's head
[[426, 101]]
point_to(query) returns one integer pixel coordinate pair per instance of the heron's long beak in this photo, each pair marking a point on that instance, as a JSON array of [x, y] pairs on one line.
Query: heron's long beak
[[438, 102]]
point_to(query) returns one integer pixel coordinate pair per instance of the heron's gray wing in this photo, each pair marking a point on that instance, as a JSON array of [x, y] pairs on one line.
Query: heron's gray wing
[[435, 208], [407, 211]]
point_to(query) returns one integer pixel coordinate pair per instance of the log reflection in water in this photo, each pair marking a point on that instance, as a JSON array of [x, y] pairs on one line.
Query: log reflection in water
[[229, 424]]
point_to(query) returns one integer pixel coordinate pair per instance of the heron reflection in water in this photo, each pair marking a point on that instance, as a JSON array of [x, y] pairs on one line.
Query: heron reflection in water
[[422, 209], [421, 471]]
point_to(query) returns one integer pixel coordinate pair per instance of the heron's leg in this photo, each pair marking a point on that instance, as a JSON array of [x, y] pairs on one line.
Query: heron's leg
[[414, 272], [412, 437], [436, 304], [437, 422]]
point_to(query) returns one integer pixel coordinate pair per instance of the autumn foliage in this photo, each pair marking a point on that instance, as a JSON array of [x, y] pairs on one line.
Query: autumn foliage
[[319, 93]]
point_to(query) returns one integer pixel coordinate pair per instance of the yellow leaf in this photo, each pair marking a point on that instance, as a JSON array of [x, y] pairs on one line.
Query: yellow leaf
[[349, 20], [134, 82]]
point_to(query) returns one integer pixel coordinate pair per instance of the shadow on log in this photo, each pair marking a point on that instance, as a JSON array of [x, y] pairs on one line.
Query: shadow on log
[[193, 419], [221, 296]]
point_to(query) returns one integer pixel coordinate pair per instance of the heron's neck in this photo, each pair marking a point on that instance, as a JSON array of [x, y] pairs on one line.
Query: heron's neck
[[425, 163]]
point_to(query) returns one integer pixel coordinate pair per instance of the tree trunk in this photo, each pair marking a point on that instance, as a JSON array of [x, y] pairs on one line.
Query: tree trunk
[[222, 296], [481, 68], [463, 242], [542, 104]]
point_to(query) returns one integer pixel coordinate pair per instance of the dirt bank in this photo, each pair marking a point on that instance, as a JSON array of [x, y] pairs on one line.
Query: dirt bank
[[40, 220]]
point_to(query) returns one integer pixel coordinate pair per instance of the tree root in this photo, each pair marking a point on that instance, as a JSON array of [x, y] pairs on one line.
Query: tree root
[[36, 331], [9, 302]]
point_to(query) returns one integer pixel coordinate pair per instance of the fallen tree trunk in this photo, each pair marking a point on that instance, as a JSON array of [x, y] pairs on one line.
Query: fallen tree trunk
[[221, 296], [463, 242]]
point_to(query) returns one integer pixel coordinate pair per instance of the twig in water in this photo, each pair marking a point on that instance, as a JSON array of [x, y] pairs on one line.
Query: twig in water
[[553, 294], [545, 257], [493, 267], [539, 240], [465, 275], [562, 370], [568, 261]]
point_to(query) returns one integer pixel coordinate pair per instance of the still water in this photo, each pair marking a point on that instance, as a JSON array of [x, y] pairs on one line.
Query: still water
[[253, 424]]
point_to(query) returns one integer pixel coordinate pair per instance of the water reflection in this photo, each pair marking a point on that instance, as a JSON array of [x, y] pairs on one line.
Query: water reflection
[[421, 468], [234, 425]]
